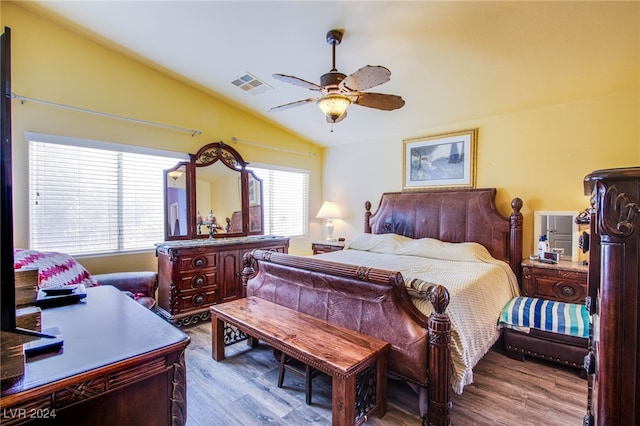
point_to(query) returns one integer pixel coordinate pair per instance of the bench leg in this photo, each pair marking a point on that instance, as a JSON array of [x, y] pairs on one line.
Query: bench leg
[[308, 378], [217, 338], [381, 385], [343, 400], [281, 373]]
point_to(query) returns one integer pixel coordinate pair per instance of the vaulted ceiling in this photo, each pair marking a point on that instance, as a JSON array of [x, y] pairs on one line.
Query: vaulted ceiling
[[450, 61]]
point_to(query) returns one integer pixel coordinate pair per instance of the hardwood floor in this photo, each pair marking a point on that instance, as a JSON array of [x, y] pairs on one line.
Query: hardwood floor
[[241, 390]]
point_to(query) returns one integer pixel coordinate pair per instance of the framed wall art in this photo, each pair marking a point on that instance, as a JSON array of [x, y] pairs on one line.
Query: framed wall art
[[440, 161]]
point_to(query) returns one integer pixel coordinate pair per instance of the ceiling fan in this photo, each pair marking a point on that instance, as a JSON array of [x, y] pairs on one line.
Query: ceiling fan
[[339, 90]]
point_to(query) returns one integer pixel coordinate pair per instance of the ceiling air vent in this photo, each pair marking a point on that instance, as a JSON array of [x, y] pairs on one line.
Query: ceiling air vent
[[251, 84]]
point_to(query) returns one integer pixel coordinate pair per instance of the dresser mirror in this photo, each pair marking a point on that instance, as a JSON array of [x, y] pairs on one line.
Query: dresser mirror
[[561, 231], [175, 201], [215, 196]]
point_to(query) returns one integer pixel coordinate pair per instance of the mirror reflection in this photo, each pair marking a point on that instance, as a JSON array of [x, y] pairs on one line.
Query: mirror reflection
[[176, 201], [255, 203], [561, 231], [218, 197], [212, 195]]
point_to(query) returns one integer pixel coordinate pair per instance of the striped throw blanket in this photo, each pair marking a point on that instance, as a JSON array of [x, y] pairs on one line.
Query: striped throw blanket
[[524, 313]]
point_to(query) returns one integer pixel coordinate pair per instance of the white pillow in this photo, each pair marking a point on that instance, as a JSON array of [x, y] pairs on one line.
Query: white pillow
[[436, 249], [423, 247], [378, 243]]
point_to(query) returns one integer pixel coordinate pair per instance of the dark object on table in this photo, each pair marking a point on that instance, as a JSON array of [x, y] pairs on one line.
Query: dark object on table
[[44, 345], [58, 291], [47, 300]]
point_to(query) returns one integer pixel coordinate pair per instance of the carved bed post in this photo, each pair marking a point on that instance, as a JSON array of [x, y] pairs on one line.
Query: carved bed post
[[439, 355], [367, 216], [515, 239]]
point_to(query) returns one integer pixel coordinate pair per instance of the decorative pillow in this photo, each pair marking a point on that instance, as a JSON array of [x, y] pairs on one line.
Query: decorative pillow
[[418, 287], [524, 313], [54, 269]]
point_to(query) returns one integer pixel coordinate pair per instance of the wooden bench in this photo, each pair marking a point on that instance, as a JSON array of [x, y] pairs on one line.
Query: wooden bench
[[357, 363]]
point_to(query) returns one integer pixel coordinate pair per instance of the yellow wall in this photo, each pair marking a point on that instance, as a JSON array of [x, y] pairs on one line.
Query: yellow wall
[[540, 155], [52, 63]]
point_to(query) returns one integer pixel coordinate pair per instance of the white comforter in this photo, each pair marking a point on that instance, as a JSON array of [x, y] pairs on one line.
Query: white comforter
[[479, 287]]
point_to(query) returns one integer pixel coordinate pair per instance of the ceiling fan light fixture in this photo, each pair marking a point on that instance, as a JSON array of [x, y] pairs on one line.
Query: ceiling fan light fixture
[[334, 105]]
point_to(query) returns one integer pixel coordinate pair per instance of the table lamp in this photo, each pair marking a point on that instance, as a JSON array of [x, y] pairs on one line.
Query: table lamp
[[329, 211]]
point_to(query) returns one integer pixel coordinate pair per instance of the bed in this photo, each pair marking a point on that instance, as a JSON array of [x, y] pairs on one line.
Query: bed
[[372, 296]]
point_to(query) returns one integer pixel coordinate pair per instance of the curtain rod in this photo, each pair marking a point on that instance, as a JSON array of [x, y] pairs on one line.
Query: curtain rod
[[273, 148], [104, 114]]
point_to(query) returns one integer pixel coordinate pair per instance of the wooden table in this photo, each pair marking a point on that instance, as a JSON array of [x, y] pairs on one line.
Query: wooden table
[[120, 364], [356, 362]]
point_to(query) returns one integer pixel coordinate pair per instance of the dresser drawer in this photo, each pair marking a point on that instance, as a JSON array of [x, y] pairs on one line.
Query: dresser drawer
[[196, 261], [198, 280], [555, 284], [198, 299]]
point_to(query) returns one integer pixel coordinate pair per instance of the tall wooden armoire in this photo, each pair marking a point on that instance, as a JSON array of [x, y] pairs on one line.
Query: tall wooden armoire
[[613, 362]]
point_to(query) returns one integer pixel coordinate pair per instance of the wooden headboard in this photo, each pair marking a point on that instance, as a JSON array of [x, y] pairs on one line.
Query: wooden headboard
[[456, 216]]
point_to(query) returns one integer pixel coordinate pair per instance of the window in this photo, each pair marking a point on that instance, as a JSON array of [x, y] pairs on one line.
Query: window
[[90, 197], [286, 201]]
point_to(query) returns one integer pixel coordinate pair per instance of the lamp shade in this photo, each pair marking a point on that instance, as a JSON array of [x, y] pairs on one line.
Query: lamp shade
[[334, 105], [329, 210]]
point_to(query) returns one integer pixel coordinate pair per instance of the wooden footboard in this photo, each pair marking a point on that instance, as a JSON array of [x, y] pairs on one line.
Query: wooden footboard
[[373, 302]]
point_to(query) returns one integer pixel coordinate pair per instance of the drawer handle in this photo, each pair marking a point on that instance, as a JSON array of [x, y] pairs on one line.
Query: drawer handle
[[198, 300], [198, 262], [568, 291], [198, 281]]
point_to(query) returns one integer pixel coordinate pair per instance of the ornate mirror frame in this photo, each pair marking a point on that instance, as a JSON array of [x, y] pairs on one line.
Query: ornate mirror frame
[[248, 220]]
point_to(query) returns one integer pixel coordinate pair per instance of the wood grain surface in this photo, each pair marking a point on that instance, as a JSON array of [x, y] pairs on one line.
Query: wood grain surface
[[241, 390]]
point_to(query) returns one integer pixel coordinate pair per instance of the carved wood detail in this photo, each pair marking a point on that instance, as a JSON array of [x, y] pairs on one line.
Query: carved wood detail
[[179, 392], [614, 297], [615, 213]]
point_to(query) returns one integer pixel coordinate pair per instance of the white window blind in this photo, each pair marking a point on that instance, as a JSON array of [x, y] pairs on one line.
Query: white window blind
[[286, 201], [86, 200]]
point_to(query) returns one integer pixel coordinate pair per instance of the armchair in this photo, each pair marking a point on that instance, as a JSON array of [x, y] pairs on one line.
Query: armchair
[[59, 269], [140, 285]]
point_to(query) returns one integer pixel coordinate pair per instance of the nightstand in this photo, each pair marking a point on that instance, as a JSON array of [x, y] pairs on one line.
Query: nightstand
[[564, 281], [546, 284], [320, 247]]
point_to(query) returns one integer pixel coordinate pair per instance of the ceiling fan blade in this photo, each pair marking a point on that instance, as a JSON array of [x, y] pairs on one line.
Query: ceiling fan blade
[[365, 78], [292, 104], [380, 101], [297, 81]]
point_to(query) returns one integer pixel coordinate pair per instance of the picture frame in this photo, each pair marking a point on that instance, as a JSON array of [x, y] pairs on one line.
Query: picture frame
[[446, 160]]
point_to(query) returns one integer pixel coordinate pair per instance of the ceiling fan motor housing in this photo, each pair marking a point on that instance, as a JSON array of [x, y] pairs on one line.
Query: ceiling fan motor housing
[[331, 80]]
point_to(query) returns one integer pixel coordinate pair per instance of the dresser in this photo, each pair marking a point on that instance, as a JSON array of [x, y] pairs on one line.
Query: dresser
[[195, 274], [613, 297], [120, 365], [564, 281]]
